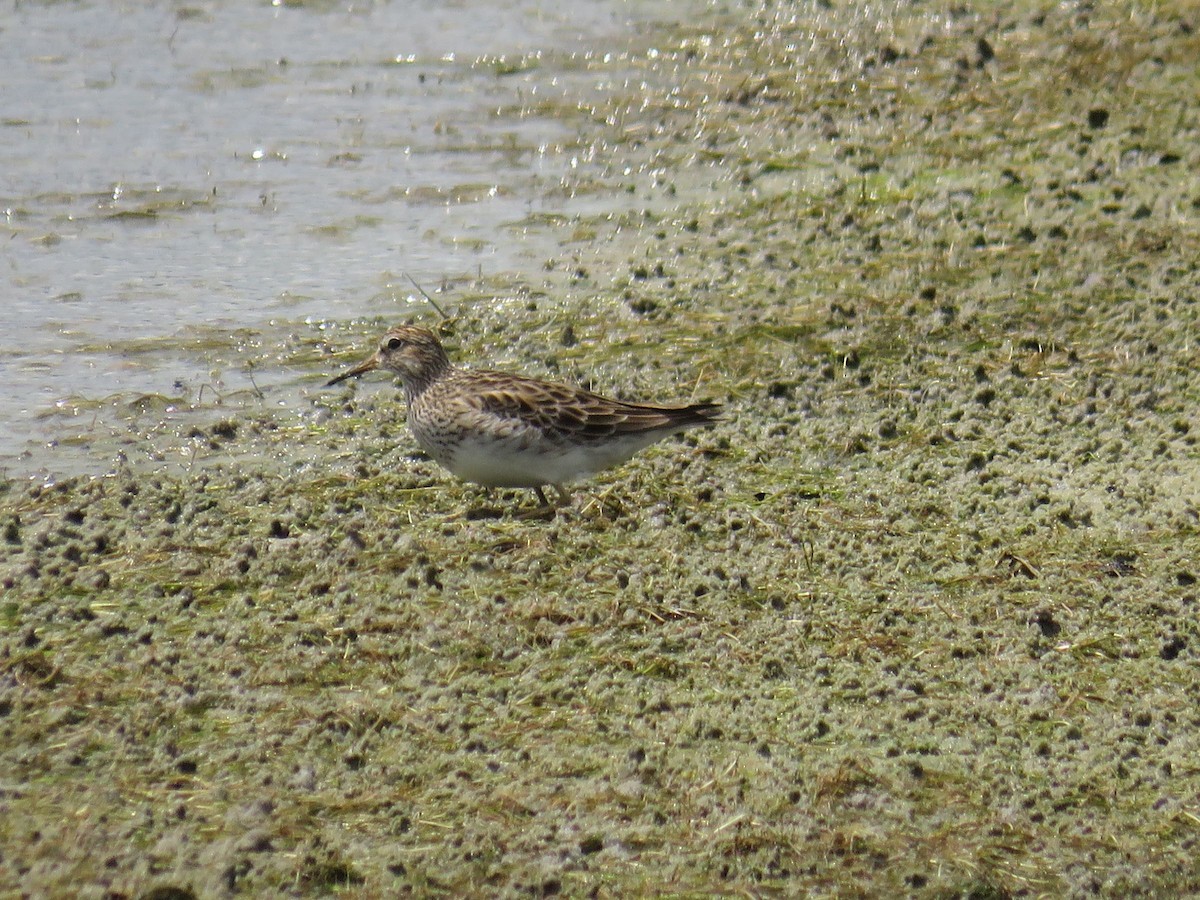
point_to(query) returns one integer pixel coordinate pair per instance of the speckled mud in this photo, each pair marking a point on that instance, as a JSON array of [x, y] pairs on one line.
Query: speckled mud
[[919, 618]]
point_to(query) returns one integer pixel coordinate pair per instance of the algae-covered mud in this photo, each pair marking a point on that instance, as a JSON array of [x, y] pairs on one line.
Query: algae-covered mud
[[919, 618]]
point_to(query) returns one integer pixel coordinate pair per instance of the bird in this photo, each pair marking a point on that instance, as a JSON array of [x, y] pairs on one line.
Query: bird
[[502, 430]]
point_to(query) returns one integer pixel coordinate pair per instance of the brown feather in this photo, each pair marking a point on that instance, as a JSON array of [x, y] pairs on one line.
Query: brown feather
[[568, 411]]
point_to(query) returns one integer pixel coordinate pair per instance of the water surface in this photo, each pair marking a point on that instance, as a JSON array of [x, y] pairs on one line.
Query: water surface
[[182, 185]]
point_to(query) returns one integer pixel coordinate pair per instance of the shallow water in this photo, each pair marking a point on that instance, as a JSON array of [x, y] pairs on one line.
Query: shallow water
[[184, 187]]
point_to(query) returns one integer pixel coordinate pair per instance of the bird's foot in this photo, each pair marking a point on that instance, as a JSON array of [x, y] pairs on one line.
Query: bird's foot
[[546, 509]]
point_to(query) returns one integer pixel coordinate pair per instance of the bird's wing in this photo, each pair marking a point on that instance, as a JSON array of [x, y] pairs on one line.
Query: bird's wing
[[559, 409]]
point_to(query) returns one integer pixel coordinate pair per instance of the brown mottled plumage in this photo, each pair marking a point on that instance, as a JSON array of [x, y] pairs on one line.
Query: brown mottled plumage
[[503, 430]]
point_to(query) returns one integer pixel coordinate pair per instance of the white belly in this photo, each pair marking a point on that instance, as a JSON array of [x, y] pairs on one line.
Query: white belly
[[501, 464]]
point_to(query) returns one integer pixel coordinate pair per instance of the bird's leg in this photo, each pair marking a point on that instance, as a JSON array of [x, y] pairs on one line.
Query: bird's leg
[[543, 511], [564, 496]]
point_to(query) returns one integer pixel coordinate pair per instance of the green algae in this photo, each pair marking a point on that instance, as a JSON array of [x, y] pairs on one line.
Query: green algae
[[915, 620]]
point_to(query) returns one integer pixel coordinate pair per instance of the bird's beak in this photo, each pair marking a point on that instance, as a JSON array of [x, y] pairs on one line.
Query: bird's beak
[[367, 365]]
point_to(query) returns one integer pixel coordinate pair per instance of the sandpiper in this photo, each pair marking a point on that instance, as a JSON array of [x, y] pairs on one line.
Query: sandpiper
[[497, 429]]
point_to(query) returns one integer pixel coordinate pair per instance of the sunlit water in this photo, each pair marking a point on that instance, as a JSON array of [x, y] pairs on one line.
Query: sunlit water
[[173, 174]]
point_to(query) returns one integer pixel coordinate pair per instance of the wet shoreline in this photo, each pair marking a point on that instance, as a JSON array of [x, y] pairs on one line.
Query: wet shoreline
[[918, 619]]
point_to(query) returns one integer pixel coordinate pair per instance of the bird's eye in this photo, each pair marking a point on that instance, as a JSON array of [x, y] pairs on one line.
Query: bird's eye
[[395, 344]]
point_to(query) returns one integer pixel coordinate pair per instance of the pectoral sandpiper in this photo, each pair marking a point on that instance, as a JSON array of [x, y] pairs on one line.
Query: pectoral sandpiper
[[502, 430]]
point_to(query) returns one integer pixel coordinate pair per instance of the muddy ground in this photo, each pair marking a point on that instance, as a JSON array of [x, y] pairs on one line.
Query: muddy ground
[[918, 618]]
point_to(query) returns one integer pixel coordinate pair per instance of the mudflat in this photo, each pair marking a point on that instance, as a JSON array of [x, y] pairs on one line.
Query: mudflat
[[917, 618]]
